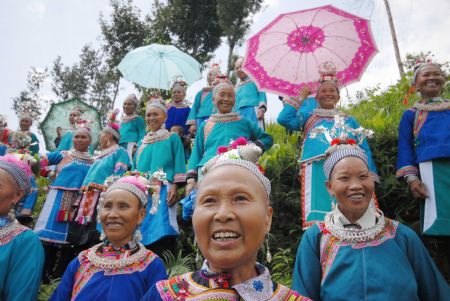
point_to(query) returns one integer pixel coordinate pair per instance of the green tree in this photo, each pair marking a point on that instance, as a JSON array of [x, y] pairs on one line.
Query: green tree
[[122, 32], [190, 25], [235, 20], [30, 100], [89, 80]]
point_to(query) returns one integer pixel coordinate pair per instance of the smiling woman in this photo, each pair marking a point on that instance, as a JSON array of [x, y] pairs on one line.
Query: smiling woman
[[350, 256], [298, 114], [231, 219], [120, 266]]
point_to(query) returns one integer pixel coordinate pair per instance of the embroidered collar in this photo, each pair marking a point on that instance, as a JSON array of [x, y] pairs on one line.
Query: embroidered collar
[[107, 257], [131, 246], [366, 221], [152, 137], [327, 112], [83, 156], [9, 230], [433, 104], [246, 80], [180, 105], [108, 151], [352, 235], [126, 118], [207, 89], [227, 117], [260, 287]]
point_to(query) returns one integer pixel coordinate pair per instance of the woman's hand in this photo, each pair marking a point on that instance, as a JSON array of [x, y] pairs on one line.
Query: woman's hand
[[260, 114], [193, 130], [189, 187], [304, 93], [172, 195], [418, 189]]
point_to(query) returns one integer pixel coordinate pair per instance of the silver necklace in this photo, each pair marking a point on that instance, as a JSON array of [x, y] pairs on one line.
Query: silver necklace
[[108, 151], [109, 263], [224, 117], [327, 112], [84, 156], [436, 106], [355, 235]]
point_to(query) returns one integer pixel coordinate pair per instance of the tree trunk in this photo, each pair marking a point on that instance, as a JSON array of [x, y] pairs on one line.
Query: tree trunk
[[394, 39], [116, 91], [231, 44]]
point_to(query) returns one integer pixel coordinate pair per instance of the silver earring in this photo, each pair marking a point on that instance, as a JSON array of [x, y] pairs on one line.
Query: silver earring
[[102, 235], [137, 234], [268, 254]]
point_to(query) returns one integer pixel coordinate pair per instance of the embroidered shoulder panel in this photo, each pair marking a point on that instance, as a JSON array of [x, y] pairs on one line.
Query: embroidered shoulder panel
[[10, 231], [87, 269]]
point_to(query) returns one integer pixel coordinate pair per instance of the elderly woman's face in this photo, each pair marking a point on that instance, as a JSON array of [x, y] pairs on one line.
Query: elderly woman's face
[[352, 185], [155, 118], [81, 141], [224, 100], [327, 96], [10, 193], [178, 95], [430, 81], [238, 69], [231, 218], [128, 107], [120, 215], [74, 116], [25, 124], [106, 139]]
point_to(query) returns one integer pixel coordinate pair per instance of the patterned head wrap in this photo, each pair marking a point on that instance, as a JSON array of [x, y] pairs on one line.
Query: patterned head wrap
[[133, 98], [338, 152], [134, 184], [250, 166], [156, 103], [242, 153], [113, 129], [20, 171]]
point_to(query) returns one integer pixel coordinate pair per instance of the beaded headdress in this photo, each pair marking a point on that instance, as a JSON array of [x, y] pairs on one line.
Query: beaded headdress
[[179, 84], [338, 152], [240, 152], [327, 74], [213, 72], [157, 103], [78, 110], [113, 126], [220, 86], [142, 185], [19, 170]]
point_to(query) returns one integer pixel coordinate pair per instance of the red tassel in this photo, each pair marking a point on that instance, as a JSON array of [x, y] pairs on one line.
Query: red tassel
[[411, 90]]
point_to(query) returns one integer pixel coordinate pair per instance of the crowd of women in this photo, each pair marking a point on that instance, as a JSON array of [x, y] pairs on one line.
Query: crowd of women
[[107, 219]]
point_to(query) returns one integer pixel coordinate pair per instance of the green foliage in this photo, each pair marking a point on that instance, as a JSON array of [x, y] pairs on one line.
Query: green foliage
[[234, 19], [122, 32], [46, 290], [282, 266], [191, 25], [179, 265]]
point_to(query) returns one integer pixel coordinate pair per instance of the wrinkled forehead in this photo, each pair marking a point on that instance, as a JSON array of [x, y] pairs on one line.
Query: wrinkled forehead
[[236, 177]]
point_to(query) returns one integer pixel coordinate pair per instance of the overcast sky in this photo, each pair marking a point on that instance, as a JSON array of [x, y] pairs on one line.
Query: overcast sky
[[34, 32]]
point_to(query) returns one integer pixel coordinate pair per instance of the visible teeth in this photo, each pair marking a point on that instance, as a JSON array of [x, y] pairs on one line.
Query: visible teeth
[[223, 235], [356, 196]]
